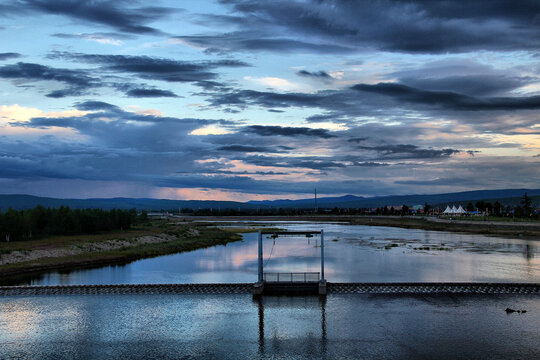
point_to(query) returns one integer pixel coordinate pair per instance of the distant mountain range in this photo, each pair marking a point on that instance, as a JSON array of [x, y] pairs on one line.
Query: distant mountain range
[[506, 197], [20, 202]]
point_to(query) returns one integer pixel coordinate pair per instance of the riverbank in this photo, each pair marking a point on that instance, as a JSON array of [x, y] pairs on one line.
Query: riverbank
[[517, 230], [505, 229], [119, 247]]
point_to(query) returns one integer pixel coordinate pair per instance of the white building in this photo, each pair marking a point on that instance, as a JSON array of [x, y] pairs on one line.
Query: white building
[[454, 211]]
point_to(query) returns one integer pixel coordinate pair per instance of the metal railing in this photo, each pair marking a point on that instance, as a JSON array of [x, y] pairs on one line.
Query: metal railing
[[292, 277]]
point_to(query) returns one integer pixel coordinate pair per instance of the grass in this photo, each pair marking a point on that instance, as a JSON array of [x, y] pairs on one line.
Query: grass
[[514, 231], [249, 230], [187, 237], [67, 240], [506, 229], [505, 219]]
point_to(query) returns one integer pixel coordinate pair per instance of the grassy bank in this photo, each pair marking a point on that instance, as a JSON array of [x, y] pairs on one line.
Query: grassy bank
[[119, 247], [514, 230]]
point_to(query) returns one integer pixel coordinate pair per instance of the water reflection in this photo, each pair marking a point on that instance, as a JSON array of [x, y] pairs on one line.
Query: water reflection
[[529, 251], [352, 254], [240, 327], [316, 343]]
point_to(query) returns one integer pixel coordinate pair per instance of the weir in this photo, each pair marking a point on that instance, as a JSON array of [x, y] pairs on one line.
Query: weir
[[246, 288], [282, 283]]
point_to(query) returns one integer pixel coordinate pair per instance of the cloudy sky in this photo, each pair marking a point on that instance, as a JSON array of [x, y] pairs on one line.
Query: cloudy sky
[[243, 100]]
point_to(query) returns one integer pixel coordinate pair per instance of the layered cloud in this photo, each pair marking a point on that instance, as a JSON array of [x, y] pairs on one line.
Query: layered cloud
[[340, 26], [77, 81], [80, 80], [268, 98], [118, 15], [9, 55], [120, 145]]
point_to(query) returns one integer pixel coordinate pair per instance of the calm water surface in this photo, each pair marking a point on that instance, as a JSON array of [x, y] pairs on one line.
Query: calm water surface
[[238, 327], [353, 254], [338, 327]]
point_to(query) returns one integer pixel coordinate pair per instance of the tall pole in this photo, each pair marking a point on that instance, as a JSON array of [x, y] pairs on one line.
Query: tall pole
[[316, 206], [260, 257], [322, 255]]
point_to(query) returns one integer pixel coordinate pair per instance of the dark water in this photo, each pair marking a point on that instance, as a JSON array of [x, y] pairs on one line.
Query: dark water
[[238, 327], [353, 254]]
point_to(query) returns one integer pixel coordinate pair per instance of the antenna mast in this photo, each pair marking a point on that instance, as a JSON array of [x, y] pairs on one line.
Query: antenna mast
[[316, 207]]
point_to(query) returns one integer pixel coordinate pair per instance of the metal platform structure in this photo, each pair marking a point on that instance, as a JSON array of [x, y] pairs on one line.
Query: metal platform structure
[[292, 277], [289, 283]]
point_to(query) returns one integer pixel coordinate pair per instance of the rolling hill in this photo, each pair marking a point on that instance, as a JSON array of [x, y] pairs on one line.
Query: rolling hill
[[505, 197]]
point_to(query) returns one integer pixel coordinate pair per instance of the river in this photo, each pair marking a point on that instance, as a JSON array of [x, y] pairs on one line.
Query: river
[[353, 253]]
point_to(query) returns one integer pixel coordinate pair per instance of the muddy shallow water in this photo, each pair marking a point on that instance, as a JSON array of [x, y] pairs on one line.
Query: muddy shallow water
[[353, 253]]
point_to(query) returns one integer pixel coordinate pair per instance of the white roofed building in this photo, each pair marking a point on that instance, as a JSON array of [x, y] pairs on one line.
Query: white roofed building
[[454, 211]]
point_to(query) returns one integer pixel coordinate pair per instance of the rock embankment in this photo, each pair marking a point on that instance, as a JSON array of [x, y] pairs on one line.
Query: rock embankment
[[19, 256]]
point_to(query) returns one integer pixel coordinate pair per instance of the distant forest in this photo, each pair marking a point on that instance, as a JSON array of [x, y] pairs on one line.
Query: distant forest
[[525, 209], [39, 222]]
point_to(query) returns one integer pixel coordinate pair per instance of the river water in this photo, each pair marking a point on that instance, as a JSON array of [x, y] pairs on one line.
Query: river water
[[239, 327], [302, 327], [353, 253]]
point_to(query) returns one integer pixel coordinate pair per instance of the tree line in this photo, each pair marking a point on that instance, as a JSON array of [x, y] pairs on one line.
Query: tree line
[[20, 225], [525, 209]]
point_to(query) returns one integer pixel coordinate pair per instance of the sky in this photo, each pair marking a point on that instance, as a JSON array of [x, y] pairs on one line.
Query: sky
[[250, 100]]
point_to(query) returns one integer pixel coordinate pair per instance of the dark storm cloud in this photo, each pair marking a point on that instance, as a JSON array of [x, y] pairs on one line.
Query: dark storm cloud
[[145, 149], [153, 68], [323, 75], [344, 149], [437, 26], [126, 137], [254, 41], [110, 13], [93, 124], [145, 93], [73, 91], [352, 157], [391, 102], [332, 117], [248, 149], [408, 151], [22, 168], [309, 162], [287, 131], [9, 55], [242, 98], [449, 100], [249, 185], [78, 81], [370, 164], [479, 85], [463, 76], [346, 105], [95, 106], [357, 140]]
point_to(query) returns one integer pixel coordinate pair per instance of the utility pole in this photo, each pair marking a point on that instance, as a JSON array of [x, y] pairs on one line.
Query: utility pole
[[316, 207]]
